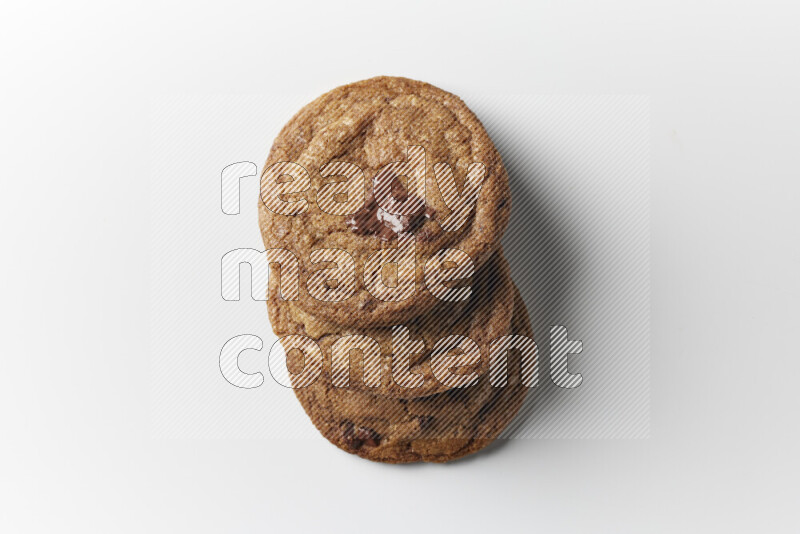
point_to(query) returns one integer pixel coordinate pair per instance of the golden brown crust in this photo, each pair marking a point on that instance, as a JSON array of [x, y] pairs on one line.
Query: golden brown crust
[[370, 124], [485, 316], [439, 428]]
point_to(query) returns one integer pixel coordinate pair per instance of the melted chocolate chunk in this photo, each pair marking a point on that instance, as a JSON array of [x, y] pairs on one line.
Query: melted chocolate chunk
[[356, 437], [374, 220]]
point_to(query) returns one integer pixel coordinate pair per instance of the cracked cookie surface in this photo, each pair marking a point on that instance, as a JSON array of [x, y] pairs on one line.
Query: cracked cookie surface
[[370, 124], [485, 316], [438, 428]]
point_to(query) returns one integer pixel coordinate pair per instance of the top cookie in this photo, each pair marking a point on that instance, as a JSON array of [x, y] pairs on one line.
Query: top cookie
[[382, 170]]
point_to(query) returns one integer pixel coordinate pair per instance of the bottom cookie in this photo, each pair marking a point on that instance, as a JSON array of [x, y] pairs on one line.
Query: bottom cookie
[[437, 428]]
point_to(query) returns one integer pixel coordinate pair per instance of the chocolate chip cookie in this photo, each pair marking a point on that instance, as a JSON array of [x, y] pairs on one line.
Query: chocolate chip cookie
[[437, 428], [486, 315], [367, 167]]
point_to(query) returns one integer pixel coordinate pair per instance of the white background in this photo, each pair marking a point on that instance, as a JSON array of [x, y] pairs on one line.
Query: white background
[[78, 81]]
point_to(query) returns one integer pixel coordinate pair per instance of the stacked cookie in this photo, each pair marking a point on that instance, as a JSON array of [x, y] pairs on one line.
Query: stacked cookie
[[419, 408]]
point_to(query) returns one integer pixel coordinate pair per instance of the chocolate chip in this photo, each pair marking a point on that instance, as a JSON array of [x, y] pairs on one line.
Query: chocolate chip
[[365, 222], [356, 437], [374, 220]]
